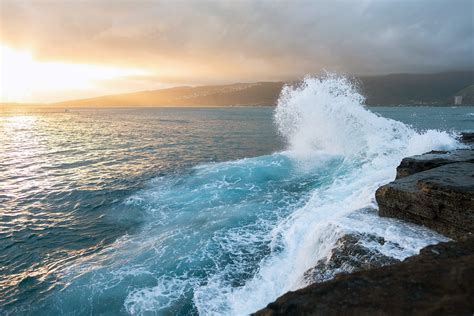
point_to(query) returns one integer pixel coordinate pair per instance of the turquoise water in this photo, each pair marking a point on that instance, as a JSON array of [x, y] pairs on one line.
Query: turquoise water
[[187, 211], [459, 119], [65, 176]]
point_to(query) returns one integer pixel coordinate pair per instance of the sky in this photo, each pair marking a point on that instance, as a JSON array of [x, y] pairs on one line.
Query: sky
[[63, 49]]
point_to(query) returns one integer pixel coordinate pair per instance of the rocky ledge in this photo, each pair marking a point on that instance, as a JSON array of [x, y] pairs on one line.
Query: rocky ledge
[[435, 190], [440, 280], [349, 255], [441, 198]]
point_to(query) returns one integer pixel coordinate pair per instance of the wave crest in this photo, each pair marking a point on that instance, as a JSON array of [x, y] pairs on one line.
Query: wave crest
[[327, 115]]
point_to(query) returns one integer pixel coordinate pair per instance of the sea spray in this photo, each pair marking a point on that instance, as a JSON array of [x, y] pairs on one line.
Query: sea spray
[[326, 115]]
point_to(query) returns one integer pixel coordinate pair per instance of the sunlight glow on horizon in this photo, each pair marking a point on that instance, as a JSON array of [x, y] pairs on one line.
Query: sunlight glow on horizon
[[23, 79]]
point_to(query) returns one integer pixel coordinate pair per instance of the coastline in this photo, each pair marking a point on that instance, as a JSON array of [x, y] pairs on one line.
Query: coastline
[[436, 190]]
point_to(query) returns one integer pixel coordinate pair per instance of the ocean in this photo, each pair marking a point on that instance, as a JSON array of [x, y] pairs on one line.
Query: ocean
[[209, 211]]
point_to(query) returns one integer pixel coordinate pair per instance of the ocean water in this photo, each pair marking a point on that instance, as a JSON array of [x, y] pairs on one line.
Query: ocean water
[[210, 211]]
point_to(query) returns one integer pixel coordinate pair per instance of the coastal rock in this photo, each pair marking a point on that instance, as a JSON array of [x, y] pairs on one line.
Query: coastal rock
[[438, 281], [349, 255], [467, 138], [433, 159], [441, 198]]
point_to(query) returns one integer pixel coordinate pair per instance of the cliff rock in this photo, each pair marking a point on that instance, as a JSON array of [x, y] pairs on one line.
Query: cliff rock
[[441, 198], [438, 281]]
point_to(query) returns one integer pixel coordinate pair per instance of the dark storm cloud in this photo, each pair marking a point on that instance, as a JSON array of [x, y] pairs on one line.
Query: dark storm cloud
[[244, 40]]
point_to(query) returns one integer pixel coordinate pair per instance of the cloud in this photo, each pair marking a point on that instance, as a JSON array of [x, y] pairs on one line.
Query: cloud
[[224, 41]]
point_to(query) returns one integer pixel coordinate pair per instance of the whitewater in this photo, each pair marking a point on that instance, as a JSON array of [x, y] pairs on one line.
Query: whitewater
[[228, 238]]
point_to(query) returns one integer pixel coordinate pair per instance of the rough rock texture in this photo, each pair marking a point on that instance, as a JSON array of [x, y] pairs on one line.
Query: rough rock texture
[[431, 160], [438, 281], [441, 198], [435, 189], [467, 138], [349, 255]]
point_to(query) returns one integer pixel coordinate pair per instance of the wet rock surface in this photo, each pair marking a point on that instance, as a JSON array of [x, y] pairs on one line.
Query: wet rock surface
[[349, 255], [434, 159], [431, 160], [467, 138], [441, 198], [438, 281], [435, 189]]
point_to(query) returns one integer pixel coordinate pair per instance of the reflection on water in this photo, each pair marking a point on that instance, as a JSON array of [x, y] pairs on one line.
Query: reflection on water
[[62, 173]]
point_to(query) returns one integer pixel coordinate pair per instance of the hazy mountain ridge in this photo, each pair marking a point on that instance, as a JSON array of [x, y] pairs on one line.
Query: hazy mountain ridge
[[243, 94], [467, 94], [396, 89], [415, 89]]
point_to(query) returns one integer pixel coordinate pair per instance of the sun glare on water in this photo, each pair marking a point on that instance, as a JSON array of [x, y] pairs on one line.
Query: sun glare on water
[[24, 79]]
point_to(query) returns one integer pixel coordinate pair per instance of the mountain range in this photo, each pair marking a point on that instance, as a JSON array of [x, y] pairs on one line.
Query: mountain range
[[394, 89]]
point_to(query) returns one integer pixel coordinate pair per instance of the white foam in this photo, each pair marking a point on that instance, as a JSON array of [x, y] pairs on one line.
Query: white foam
[[321, 117], [327, 115], [152, 299]]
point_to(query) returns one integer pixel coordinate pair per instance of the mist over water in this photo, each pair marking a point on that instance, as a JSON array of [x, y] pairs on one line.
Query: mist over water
[[230, 236]]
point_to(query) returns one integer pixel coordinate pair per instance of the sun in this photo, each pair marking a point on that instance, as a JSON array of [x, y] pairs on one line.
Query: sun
[[24, 79], [14, 65]]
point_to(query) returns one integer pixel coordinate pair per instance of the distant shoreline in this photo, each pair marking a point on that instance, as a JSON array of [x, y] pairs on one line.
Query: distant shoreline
[[92, 107], [441, 89]]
